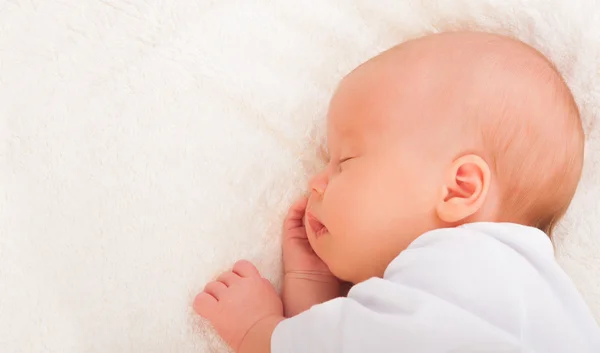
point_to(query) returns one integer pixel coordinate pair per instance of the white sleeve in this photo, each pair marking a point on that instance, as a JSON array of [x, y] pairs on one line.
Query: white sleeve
[[368, 322]]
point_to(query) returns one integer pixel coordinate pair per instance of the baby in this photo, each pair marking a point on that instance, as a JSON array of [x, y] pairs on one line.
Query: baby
[[452, 158]]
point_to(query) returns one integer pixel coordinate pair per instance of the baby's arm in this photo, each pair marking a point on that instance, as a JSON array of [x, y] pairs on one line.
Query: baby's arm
[[302, 291], [417, 308], [379, 316]]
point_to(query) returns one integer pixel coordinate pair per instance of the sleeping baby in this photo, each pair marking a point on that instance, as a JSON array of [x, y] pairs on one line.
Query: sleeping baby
[[453, 156]]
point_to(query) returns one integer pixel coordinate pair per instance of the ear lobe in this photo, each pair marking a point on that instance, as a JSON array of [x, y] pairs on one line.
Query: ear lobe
[[466, 186]]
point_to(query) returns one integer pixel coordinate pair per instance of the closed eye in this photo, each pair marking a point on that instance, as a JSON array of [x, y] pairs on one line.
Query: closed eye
[[342, 161]]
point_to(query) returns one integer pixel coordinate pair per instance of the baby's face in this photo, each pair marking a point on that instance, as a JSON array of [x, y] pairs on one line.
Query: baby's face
[[410, 134], [375, 196]]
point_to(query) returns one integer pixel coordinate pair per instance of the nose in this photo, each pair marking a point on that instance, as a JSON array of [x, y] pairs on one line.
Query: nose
[[319, 182]]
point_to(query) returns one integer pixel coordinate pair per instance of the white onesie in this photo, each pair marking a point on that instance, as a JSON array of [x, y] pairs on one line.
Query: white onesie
[[482, 287]]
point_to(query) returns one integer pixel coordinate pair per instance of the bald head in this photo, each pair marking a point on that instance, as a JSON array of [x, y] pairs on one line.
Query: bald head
[[493, 96]]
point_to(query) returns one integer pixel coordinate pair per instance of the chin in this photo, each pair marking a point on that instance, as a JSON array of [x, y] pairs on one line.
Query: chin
[[352, 281], [352, 275], [340, 274]]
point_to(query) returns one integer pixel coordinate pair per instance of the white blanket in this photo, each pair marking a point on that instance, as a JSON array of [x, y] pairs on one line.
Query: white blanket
[[146, 145]]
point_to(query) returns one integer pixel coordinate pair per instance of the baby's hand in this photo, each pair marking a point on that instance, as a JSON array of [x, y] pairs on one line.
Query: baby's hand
[[308, 280], [298, 256], [299, 259], [237, 303]]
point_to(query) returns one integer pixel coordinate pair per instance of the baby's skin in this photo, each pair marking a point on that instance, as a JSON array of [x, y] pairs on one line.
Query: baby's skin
[[244, 308], [437, 132]]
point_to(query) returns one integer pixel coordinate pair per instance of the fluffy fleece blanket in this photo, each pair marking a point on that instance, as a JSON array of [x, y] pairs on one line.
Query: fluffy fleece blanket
[[146, 145]]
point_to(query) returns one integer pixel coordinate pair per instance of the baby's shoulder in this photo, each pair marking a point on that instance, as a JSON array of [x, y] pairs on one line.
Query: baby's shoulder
[[482, 252], [485, 234]]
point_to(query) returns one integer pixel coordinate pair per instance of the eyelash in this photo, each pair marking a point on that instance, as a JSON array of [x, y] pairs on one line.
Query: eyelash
[[344, 160]]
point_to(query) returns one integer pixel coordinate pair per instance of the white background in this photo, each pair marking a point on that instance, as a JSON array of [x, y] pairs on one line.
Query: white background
[[147, 145]]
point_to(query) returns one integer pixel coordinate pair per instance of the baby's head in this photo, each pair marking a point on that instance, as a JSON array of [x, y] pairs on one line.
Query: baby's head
[[437, 132]]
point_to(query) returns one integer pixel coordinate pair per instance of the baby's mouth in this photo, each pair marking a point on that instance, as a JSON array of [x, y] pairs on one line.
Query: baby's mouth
[[315, 225]]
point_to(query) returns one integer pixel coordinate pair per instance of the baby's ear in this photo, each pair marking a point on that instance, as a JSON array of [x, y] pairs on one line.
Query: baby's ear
[[465, 188]]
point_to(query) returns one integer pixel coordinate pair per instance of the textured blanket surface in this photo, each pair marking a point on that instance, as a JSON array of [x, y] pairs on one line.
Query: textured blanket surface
[[146, 145]]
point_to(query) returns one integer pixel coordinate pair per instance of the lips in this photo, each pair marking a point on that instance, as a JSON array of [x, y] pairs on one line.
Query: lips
[[315, 225]]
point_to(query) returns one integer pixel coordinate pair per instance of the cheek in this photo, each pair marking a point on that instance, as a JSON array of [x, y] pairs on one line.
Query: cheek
[[350, 202], [342, 194], [368, 204], [362, 211]]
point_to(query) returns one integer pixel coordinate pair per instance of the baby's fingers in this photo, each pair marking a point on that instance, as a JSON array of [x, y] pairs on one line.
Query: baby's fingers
[[228, 278], [205, 305], [295, 214], [244, 268]]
